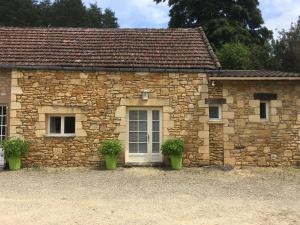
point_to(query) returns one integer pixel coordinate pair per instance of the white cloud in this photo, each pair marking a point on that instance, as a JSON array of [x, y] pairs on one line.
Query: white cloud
[[279, 14], [137, 13]]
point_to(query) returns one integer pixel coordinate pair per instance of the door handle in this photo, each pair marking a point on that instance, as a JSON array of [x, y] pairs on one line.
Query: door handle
[[148, 137]]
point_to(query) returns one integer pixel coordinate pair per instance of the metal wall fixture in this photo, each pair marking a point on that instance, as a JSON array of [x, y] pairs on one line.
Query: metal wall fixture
[[145, 95]]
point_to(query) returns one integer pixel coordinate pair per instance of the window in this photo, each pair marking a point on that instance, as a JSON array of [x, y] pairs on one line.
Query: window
[[3, 115], [215, 112], [61, 125], [264, 110]]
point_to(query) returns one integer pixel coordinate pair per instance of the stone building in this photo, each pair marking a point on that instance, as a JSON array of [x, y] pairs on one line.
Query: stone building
[[66, 90]]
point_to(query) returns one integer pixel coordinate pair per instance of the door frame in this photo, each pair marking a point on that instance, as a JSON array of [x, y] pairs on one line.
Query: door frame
[[6, 129], [150, 155]]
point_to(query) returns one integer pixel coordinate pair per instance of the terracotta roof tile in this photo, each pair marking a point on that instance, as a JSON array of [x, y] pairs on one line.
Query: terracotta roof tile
[[111, 48]]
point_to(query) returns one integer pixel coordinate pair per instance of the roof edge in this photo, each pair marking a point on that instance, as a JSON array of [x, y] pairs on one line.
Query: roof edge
[[210, 49], [254, 75], [253, 78], [112, 69]]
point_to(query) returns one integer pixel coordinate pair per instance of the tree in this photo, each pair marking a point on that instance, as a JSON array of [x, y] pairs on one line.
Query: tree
[[287, 49], [93, 16], [109, 19], [68, 13], [261, 57], [60, 13], [224, 21], [237, 56], [45, 9], [234, 56], [19, 13], [96, 18]]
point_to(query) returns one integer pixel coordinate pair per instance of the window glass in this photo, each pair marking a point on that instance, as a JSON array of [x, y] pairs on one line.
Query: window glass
[[133, 147], [69, 125], [155, 115], [214, 112], [133, 115], [55, 125], [155, 147], [2, 122], [143, 126], [143, 115], [142, 147], [133, 126], [143, 137], [155, 137], [133, 137], [155, 126], [62, 125], [263, 110]]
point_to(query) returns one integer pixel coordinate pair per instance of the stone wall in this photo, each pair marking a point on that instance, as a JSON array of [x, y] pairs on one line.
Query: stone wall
[[247, 140], [99, 100], [216, 148], [216, 153], [4, 86]]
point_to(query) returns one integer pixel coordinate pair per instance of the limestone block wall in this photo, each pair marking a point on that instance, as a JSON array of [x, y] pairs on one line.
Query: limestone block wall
[[5, 86], [247, 140], [216, 148], [100, 100]]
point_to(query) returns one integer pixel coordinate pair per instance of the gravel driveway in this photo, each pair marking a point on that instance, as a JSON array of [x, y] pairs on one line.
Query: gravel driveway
[[150, 196]]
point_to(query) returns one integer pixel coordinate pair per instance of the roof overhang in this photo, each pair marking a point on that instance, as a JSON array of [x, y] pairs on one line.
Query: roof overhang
[[253, 78], [110, 69]]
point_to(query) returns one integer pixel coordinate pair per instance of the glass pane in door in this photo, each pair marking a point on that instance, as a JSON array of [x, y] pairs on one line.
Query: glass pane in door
[[2, 122], [138, 136], [155, 131]]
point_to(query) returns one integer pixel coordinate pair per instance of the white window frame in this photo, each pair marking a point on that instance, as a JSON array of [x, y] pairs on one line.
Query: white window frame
[[267, 111], [220, 112], [2, 137], [3, 126], [62, 127]]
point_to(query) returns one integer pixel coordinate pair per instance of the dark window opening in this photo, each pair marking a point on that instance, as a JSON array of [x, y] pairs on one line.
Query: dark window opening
[[263, 110], [69, 125], [62, 125], [214, 112], [55, 125]]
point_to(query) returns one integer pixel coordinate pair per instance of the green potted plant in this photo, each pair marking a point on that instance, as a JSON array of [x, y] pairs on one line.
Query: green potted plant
[[174, 149], [14, 149], [111, 149]]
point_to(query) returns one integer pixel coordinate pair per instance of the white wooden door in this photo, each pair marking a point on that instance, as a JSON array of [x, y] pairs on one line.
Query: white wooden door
[[144, 135], [3, 130]]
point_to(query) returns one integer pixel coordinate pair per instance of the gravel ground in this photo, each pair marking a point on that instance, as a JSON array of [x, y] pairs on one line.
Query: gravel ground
[[150, 196]]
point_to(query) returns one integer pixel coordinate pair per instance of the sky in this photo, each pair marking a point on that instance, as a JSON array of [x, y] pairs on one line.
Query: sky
[[278, 14]]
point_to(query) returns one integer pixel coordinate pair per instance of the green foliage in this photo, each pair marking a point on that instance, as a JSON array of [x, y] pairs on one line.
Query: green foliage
[[19, 13], [15, 147], [97, 19], [67, 13], [111, 148], [260, 57], [223, 21], [237, 56], [109, 19], [173, 147], [234, 56], [60, 13], [287, 49], [94, 16]]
